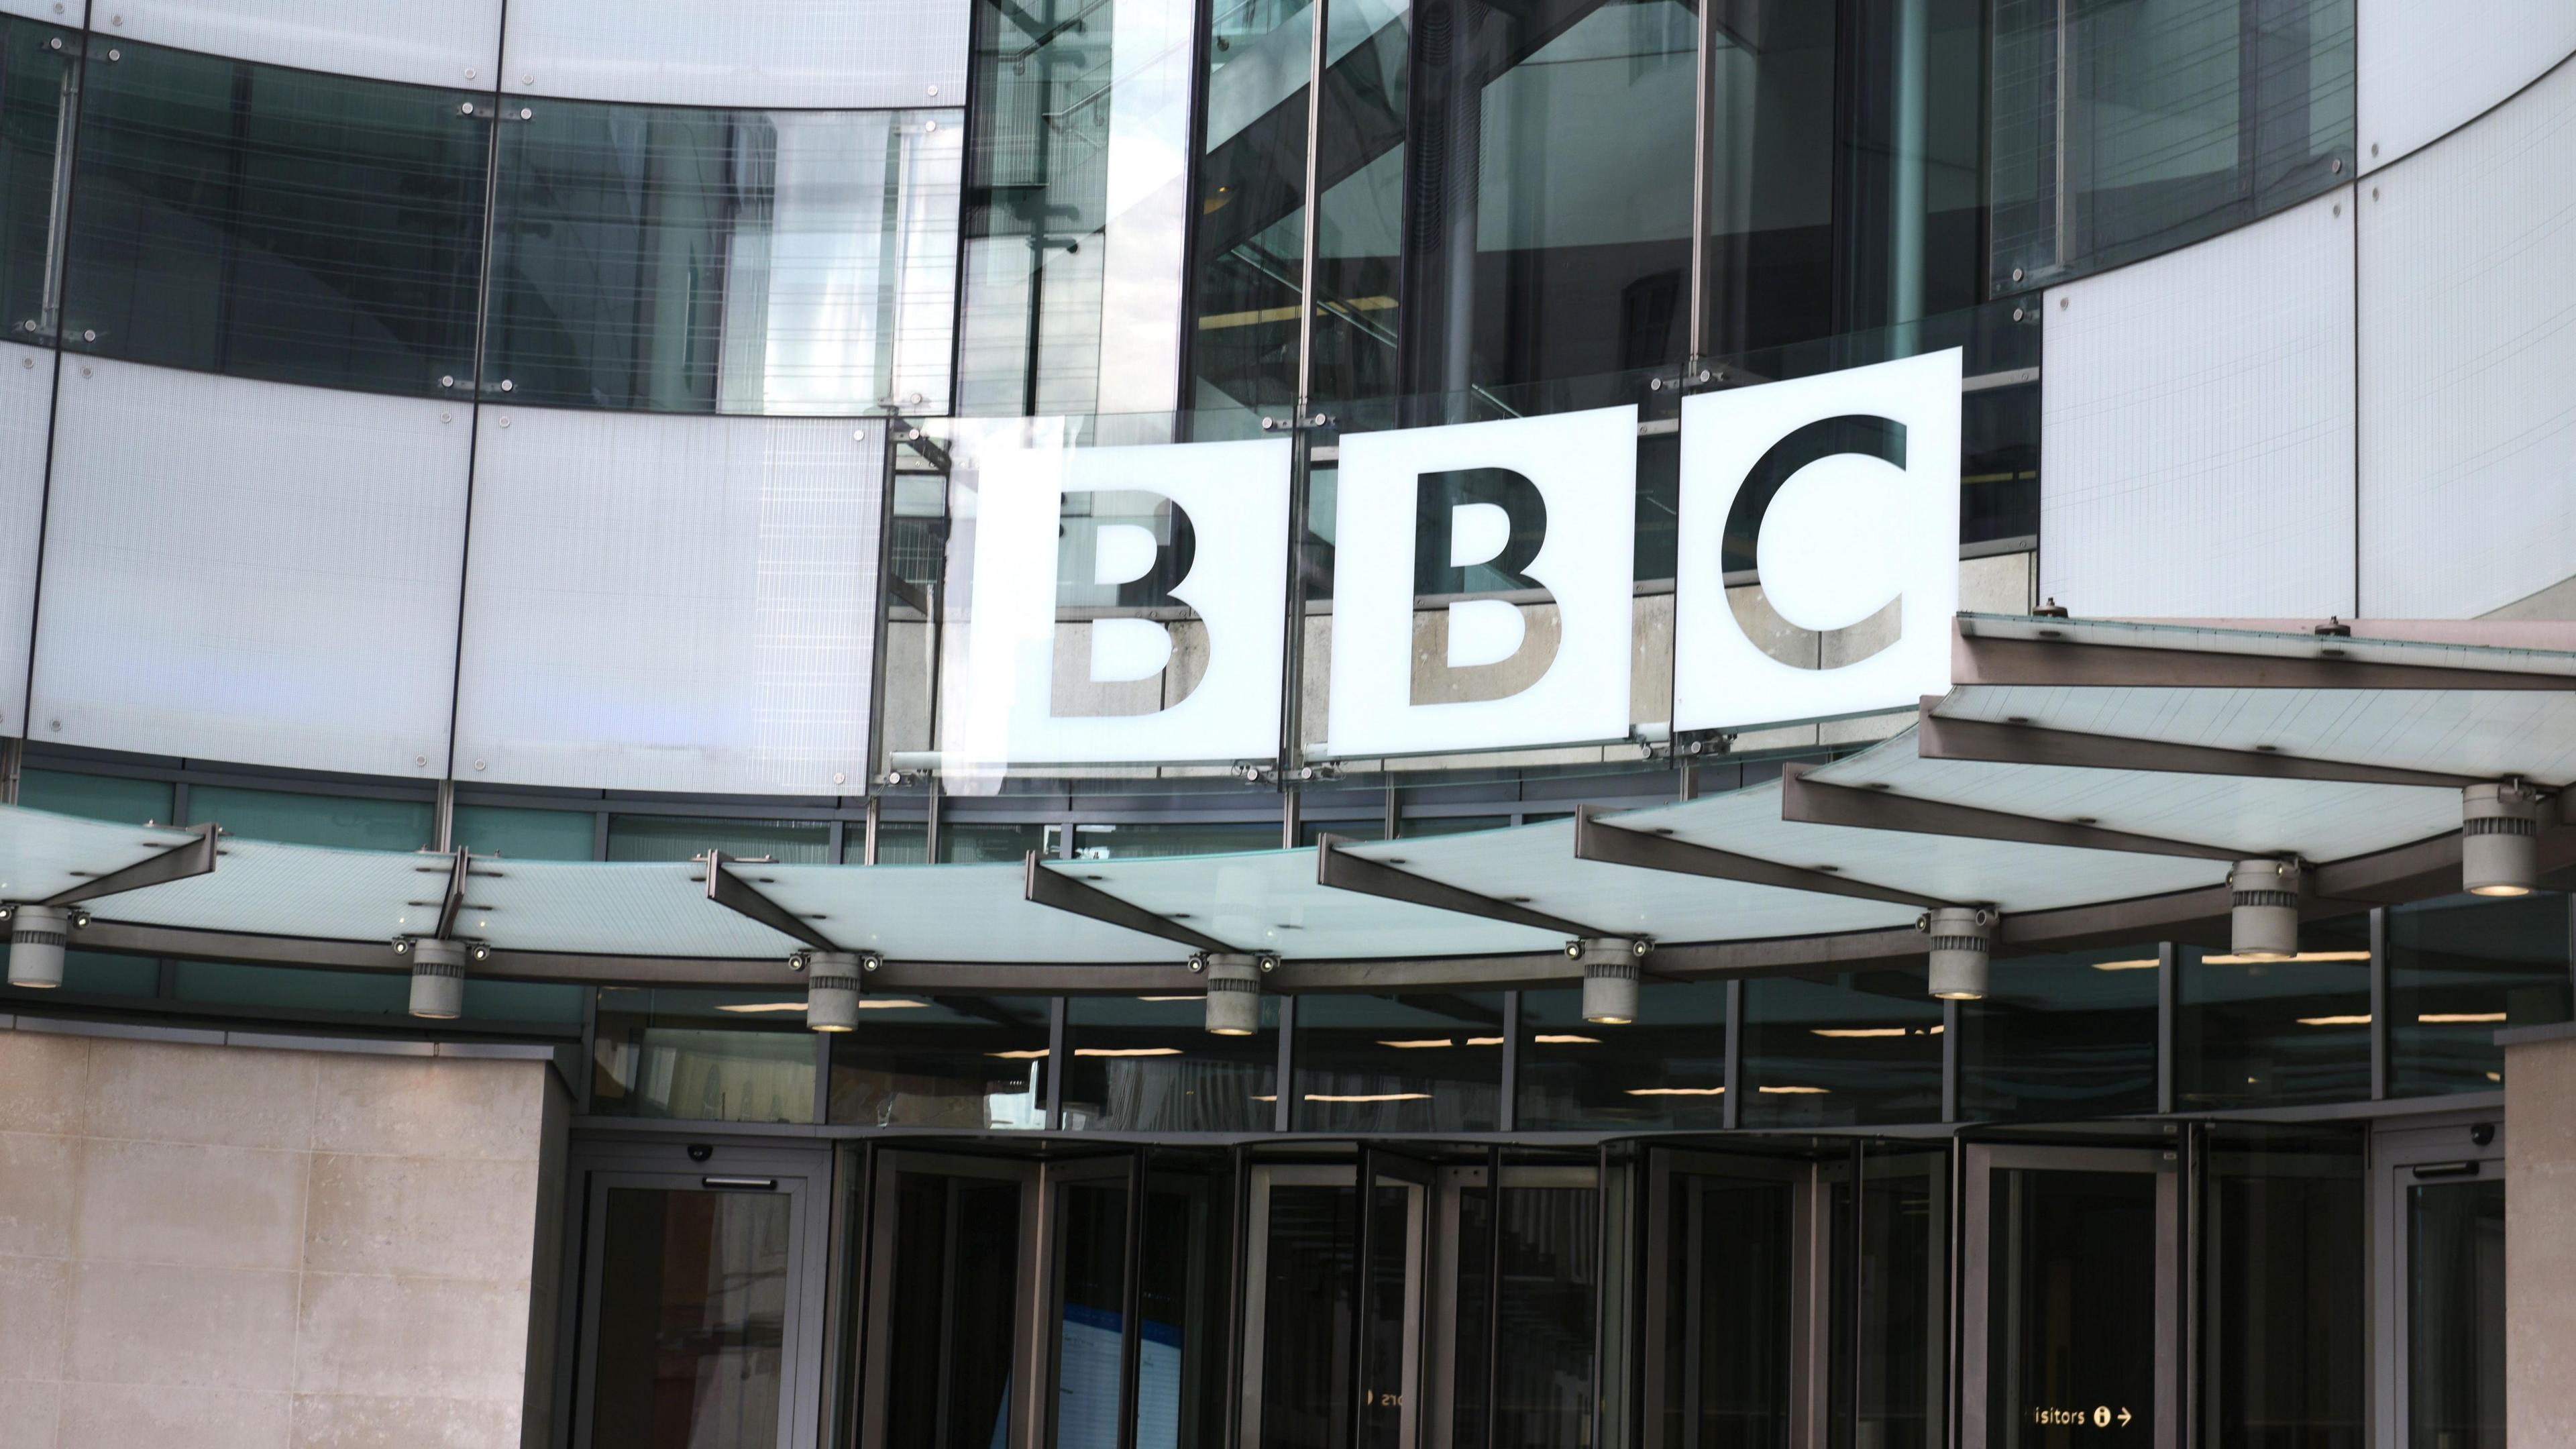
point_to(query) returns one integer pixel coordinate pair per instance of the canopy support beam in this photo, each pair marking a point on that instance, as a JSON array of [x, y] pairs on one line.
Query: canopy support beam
[[1338, 869], [1060, 891], [1942, 738], [1976, 659], [1596, 839], [1811, 802], [744, 899], [179, 862]]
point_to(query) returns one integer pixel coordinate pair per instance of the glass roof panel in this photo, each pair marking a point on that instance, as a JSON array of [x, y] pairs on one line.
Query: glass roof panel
[[43, 854], [296, 890], [956, 913], [1269, 901]]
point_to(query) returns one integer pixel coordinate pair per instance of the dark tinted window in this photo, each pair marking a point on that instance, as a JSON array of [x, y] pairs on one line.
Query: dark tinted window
[[35, 67], [274, 223]]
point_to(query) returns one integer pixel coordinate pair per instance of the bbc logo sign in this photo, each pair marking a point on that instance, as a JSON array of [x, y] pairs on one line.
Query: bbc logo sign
[[1483, 587]]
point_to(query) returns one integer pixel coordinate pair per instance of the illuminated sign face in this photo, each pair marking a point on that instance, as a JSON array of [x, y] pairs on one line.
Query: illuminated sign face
[[1832, 503], [1537, 515], [1123, 604], [1129, 605]]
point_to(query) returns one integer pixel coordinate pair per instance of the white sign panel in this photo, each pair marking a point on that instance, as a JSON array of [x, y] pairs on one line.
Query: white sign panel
[[1843, 491], [1142, 537], [1540, 509]]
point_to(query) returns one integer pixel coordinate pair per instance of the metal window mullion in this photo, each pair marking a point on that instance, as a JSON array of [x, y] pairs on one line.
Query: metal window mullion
[[1131, 1327], [2379, 1004], [1315, 50], [1493, 1345], [1283, 1093], [2168, 1017], [1055, 1060], [1703, 108], [1952, 1014], [1507, 1110], [822, 1076], [1731, 1100]]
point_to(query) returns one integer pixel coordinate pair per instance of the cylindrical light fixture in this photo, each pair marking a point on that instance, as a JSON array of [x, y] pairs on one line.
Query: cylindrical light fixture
[[2499, 839], [1233, 991], [36, 935], [437, 979], [832, 990], [2263, 909], [1962, 947], [1610, 970]]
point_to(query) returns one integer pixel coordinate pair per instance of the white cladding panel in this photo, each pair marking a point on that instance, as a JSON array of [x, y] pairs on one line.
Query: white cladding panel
[[2427, 69], [2197, 415], [2468, 365], [832, 54], [250, 571], [26, 403], [449, 43], [670, 603]]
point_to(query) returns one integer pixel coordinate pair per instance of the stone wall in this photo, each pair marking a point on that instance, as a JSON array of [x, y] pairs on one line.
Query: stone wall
[[2540, 1235], [228, 1245]]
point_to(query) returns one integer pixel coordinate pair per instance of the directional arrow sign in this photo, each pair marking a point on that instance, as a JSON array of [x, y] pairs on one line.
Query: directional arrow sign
[[2124, 1416]]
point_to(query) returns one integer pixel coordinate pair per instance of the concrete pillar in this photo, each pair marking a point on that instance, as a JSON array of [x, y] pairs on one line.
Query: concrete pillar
[[2540, 1234]]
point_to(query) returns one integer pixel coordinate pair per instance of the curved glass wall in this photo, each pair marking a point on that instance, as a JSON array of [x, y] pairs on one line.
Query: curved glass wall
[[684, 260], [271, 223], [2125, 130], [38, 98]]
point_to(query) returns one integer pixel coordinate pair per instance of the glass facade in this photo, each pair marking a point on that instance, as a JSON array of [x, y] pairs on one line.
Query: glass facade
[[711, 1056], [2460, 969], [971, 1064], [1668, 1071], [1149, 1064], [683, 260], [1863, 1047], [280, 224], [36, 84], [2062, 1037], [2254, 1033], [2125, 130], [1399, 1064]]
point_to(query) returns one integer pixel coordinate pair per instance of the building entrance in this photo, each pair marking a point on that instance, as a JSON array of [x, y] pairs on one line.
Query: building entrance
[[2073, 1292]]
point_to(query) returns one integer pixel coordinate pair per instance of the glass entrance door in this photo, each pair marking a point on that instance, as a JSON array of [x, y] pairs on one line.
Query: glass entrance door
[[1332, 1324], [699, 1304], [2073, 1284], [1730, 1326], [2439, 1204], [950, 1329]]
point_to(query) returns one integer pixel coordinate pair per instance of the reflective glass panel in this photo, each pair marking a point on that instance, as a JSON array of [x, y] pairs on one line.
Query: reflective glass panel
[[955, 1302], [692, 1319], [1770, 272], [687, 837], [962, 842], [2283, 1274], [1541, 1365], [2073, 1318], [1127, 842], [2129, 129], [2061, 1037], [1250, 211], [515, 834], [96, 797], [1307, 1314], [1149, 1064], [1668, 1070], [2266, 1033], [899, 842], [35, 76], [348, 822], [273, 223], [1091, 1303], [1399, 1064], [686, 260], [1077, 208], [1186, 1299], [2459, 969], [1729, 1253], [711, 1056], [1856, 1048], [2455, 1315], [1891, 1267], [976, 1063]]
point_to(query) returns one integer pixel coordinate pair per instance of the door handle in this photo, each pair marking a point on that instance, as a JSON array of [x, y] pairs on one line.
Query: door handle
[[740, 1184], [2446, 1169]]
